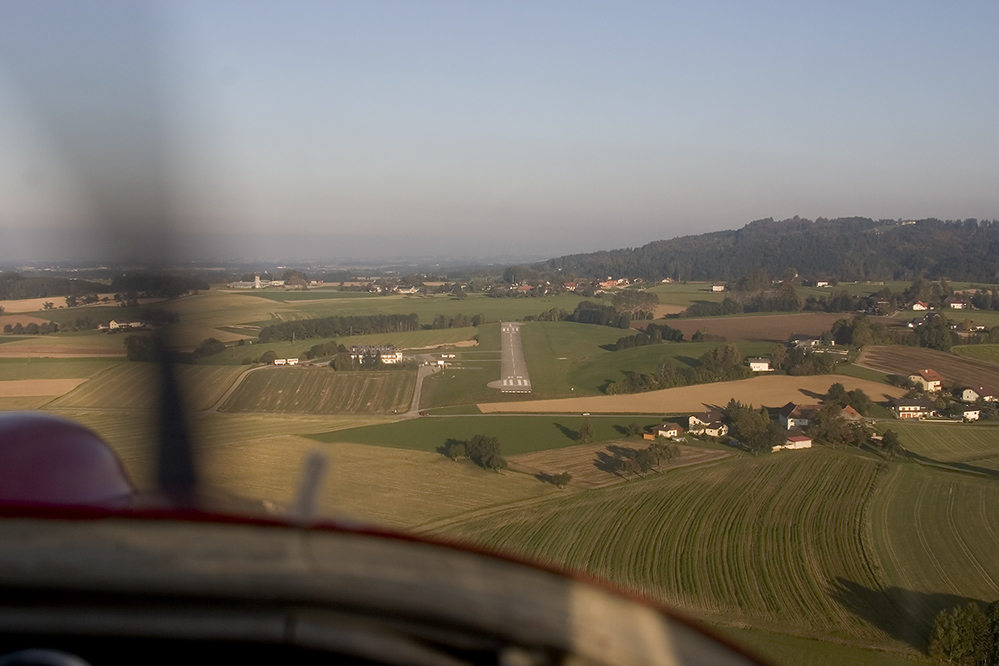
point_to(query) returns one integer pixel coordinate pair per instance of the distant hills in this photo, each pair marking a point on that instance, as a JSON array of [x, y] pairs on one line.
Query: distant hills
[[853, 248]]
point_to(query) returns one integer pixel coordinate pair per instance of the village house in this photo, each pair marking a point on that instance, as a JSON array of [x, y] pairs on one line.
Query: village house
[[797, 416], [850, 415], [822, 283], [920, 305], [759, 364], [971, 414], [974, 394], [717, 287], [956, 303], [927, 379], [795, 441], [707, 423], [913, 408], [668, 430]]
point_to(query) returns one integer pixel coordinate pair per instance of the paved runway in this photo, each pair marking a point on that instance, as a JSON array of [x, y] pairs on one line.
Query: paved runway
[[513, 367]]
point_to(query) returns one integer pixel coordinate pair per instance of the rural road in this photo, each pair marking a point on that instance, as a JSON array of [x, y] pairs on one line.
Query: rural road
[[232, 389], [513, 367]]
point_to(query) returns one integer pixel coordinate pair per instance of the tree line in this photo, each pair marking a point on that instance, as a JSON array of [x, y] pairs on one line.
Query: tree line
[[338, 326], [854, 248], [14, 286]]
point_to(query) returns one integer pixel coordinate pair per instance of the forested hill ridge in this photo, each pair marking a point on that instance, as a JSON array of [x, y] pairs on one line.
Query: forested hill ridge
[[853, 248]]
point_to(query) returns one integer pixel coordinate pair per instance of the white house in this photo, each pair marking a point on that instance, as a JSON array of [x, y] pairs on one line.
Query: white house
[[717, 287], [920, 305], [798, 441], [822, 283], [927, 379], [797, 416], [668, 430], [906, 408], [707, 423], [971, 414], [759, 364]]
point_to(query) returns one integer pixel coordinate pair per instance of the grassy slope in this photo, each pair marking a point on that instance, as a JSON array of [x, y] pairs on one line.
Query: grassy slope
[[988, 353], [970, 446], [936, 536], [757, 540]]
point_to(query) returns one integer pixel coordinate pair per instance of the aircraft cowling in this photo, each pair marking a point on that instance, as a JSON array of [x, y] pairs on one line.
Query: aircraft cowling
[[45, 459]]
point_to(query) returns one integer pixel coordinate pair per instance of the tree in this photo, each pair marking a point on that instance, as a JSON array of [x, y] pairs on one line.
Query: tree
[[141, 348], [268, 357], [71, 301], [585, 432], [455, 449], [891, 444], [830, 426], [663, 451], [562, 480], [837, 393], [645, 460], [778, 357]]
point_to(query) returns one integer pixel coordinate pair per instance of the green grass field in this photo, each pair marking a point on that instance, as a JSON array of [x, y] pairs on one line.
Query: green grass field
[[587, 377], [323, 391], [131, 386], [308, 295], [936, 535], [971, 446], [988, 353], [784, 650], [761, 540], [552, 349], [685, 294], [516, 433], [851, 370], [467, 384], [53, 368]]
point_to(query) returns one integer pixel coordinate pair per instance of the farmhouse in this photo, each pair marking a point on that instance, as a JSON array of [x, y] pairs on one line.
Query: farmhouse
[[805, 342], [759, 364], [956, 303], [707, 423], [797, 416], [667, 430], [822, 283], [920, 305], [850, 415], [927, 379], [717, 287], [973, 394], [115, 326], [971, 414], [909, 408], [796, 441]]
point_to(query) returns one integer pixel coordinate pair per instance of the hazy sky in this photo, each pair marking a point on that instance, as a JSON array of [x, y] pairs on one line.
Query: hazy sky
[[369, 128]]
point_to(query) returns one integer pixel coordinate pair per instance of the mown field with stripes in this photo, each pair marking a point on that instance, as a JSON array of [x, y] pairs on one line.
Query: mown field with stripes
[[322, 391], [830, 544], [973, 447], [136, 386], [762, 540]]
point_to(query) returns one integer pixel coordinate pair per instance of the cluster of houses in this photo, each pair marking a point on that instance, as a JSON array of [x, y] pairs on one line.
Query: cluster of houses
[[793, 417], [388, 354], [930, 381]]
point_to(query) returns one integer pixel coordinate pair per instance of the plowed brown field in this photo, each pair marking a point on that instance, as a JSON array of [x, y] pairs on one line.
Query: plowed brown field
[[956, 370]]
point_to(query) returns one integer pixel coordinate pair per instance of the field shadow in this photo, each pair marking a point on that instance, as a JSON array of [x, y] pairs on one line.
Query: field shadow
[[605, 462], [954, 466], [610, 346], [570, 434], [906, 615], [445, 448], [813, 395], [689, 360]]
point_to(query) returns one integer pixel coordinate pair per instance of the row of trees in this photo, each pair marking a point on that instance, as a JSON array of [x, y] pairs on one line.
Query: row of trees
[[14, 286], [653, 334], [456, 321], [329, 327], [31, 328]]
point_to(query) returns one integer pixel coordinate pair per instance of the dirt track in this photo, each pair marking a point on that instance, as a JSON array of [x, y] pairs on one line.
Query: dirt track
[[771, 391]]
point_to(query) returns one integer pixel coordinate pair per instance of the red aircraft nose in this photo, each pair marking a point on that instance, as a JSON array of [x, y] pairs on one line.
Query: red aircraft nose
[[48, 460]]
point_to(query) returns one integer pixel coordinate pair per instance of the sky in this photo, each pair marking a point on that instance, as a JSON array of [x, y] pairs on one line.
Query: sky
[[365, 130]]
